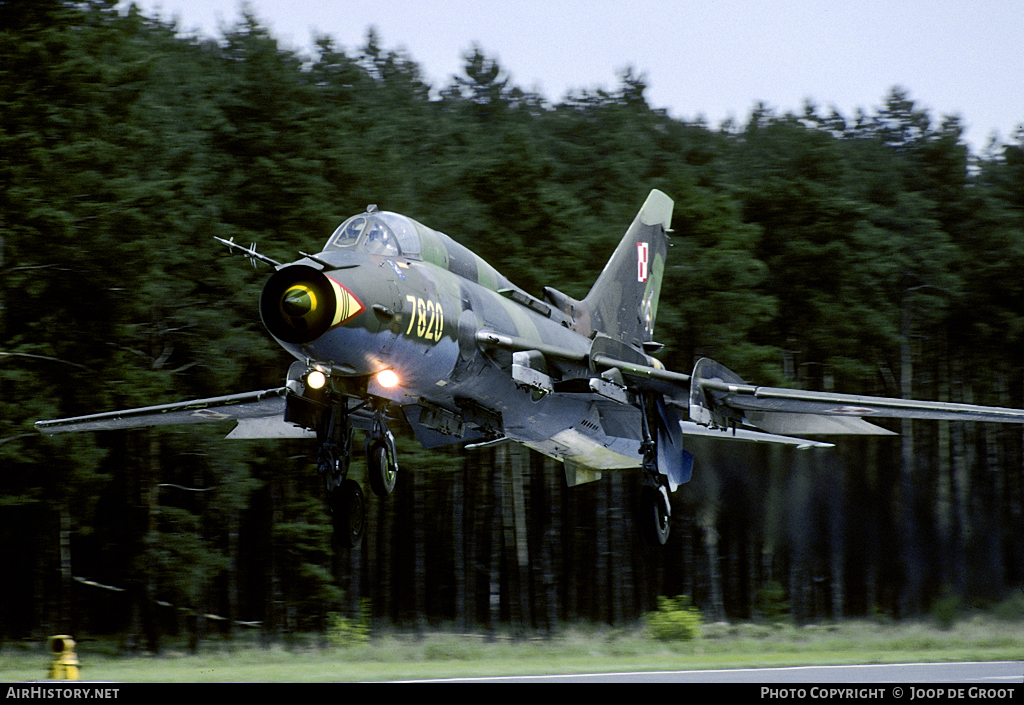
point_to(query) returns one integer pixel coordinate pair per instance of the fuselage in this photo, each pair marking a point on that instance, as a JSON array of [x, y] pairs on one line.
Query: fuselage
[[389, 294]]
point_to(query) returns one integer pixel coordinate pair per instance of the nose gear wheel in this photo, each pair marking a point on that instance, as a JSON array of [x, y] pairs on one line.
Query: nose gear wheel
[[344, 496]]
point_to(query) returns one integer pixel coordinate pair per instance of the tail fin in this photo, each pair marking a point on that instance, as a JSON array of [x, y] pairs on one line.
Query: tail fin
[[623, 302]]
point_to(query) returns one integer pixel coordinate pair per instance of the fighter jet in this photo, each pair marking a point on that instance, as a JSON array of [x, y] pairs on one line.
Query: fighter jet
[[393, 318]]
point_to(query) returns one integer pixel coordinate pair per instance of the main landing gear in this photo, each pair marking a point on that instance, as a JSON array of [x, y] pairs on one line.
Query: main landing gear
[[344, 495], [381, 456], [654, 512]]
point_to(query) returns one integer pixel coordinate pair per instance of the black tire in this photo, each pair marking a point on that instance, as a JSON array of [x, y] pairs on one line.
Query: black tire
[[381, 472], [348, 513], [654, 516]]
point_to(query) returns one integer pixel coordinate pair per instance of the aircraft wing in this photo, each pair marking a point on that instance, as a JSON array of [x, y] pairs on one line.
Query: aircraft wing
[[248, 409], [747, 398], [718, 396]]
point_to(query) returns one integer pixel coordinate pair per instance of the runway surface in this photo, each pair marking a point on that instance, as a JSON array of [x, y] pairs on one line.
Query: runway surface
[[987, 676]]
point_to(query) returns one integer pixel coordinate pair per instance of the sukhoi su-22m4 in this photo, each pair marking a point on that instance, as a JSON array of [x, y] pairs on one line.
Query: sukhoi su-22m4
[[391, 317]]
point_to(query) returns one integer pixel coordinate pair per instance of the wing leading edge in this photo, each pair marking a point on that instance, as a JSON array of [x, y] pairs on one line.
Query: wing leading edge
[[244, 407]]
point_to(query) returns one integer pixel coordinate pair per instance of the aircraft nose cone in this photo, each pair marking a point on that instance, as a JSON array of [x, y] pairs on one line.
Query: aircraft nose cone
[[298, 301]]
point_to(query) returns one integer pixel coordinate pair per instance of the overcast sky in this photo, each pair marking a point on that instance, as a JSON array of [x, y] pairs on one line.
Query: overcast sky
[[710, 58]]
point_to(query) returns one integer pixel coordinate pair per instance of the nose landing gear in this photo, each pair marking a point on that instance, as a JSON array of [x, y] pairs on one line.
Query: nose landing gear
[[345, 497]]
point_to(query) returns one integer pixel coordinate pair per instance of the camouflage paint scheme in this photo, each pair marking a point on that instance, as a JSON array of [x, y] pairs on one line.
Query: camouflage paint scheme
[[474, 358]]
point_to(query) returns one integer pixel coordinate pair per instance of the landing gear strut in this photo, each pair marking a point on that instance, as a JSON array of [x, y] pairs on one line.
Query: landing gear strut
[[655, 511], [344, 496]]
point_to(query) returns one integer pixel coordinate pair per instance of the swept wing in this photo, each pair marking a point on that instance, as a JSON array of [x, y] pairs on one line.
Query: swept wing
[[248, 406], [718, 397]]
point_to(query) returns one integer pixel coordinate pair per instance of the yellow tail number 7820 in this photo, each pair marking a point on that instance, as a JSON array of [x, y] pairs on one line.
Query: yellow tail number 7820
[[426, 317]]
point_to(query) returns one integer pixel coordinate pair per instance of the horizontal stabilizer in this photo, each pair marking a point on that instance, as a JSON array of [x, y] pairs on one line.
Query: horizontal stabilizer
[[689, 428], [814, 424]]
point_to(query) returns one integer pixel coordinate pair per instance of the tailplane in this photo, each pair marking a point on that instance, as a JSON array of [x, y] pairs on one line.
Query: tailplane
[[623, 302]]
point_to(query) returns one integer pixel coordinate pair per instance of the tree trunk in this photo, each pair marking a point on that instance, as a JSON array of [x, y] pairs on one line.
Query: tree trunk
[[622, 571], [944, 489], [420, 548], [273, 593], [800, 527], [962, 461], [996, 526], [497, 502], [600, 597], [149, 618], [552, 571], [517, 469], [714, 572], [233, 568], [835, 468], [463, 616], [911, 559], [66, 583]]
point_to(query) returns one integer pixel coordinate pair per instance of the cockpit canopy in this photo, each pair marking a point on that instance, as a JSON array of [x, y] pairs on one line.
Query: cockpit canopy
[[389, 234], [379, 233]]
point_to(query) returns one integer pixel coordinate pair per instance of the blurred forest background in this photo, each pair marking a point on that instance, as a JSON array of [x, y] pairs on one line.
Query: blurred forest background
[[872, 253]]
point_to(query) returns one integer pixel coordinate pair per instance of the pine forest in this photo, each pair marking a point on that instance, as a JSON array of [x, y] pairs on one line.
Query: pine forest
[[871, 253]]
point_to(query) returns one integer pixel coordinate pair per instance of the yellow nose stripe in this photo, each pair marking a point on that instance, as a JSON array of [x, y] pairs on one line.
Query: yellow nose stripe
[[348, 305]]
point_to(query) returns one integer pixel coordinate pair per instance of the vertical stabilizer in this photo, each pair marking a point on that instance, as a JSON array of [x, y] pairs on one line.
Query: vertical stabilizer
[[623, 303]]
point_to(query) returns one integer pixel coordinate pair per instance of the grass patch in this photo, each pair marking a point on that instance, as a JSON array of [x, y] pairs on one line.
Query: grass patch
[[389, 655]]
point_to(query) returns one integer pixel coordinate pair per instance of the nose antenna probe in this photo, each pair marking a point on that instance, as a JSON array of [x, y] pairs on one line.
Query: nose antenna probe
[[249, 252]]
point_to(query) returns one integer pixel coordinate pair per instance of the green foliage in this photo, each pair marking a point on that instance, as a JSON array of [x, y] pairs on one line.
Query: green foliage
[[800, 241], [347, 631], [676, 619], [450, 649], [771, 601], [946, 608], [1011, 609]]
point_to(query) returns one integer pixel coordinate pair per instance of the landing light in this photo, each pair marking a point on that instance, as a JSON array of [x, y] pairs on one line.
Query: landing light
[[387, 379], [316, 379]]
